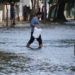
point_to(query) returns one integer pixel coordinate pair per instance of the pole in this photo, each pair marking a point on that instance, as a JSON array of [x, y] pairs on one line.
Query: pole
[[45, 11], [6, 15]]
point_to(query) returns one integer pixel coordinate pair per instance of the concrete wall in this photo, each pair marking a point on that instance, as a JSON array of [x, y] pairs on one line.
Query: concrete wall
[[1, 14]]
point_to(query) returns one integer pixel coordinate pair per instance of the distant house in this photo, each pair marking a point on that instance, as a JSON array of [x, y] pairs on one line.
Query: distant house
[[21, 4], [18, 9], [27, 3]]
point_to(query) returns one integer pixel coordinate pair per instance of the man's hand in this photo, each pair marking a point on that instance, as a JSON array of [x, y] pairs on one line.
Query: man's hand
[[37, 26]]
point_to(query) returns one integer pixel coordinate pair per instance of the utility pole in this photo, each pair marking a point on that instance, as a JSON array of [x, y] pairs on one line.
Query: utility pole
[[6, 15], [45, 11]]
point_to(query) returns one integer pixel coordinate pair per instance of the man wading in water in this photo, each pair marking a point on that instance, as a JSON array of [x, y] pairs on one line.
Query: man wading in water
[[35, 23]]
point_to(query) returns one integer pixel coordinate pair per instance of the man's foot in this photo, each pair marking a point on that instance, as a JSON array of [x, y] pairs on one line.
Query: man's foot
[[28, 46], [40, 46]]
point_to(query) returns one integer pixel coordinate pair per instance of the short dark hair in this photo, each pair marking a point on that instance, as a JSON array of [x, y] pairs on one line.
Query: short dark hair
[[38, 13]]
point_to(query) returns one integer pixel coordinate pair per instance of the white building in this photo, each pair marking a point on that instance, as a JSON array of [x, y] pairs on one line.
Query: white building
[[20, 4], [18, 8]]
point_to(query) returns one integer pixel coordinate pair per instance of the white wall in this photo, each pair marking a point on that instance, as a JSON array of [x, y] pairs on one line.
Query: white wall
[[26, 2], [1, 15], [21, 4]]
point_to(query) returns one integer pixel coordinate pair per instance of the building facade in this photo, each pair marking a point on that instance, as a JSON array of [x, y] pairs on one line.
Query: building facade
[[5, 10]]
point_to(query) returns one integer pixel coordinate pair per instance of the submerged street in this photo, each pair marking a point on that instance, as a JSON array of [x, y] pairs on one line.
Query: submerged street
[[55, 58]]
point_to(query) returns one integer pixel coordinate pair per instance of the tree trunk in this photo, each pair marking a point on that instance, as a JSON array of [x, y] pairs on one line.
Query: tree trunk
[[6, 16], [52, 12], [60, 11], [35, 7], [12, 14], [3, 12], [17, 10]]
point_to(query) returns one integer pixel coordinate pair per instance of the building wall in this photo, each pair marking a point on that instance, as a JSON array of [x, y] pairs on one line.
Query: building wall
[[26, 2], [1, 12], [21, 4]]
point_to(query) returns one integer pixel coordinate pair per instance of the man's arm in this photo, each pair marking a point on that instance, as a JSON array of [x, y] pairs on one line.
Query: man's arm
[[35, 22]]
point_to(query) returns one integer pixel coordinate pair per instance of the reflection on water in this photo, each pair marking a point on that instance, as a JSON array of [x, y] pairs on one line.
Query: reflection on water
[[12, 63], [60, 43]]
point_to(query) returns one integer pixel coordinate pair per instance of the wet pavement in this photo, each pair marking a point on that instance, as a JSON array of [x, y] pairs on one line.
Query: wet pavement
[[55, 58]]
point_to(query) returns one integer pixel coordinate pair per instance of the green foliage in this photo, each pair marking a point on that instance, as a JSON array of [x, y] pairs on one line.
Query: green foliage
[[13, 1], [50, 1], [1, 1], [71, 3], [9, 1]]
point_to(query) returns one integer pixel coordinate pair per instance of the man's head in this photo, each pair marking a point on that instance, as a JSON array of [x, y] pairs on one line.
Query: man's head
[[38, 14]]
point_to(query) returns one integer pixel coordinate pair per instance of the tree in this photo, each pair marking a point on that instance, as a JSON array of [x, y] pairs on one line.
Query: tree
[[12, 14], [59, 9], [51, 7], [50, 2], [35, 7], [10, 1], [70, 5], [1, 1]]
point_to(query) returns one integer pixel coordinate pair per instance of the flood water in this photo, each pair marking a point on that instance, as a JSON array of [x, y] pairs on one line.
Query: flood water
[[55, 58]]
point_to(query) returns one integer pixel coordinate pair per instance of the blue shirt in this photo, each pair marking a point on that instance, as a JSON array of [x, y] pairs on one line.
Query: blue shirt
[[34, 22]]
